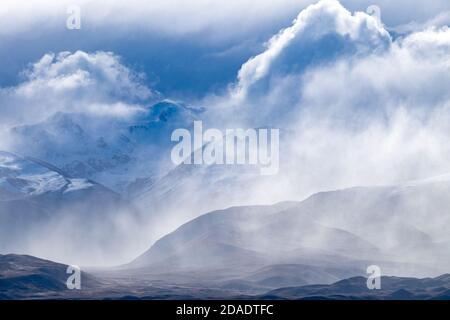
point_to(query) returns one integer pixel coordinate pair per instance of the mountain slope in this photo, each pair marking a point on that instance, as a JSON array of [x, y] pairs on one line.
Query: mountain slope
[[115, 152], [22, 177], [48, 213], [400, 228], [29, 277], [249, 235], [392, 288]]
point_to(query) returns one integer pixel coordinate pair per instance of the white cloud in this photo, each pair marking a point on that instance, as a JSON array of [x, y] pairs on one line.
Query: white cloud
[[101, 72], [184, 45], [97, 84], [413, 73], [440, 20], [288, 51], [185, 17], [175, 17], [380, 117]]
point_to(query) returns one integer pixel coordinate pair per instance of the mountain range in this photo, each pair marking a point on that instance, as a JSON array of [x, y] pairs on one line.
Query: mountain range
[[27, 277], [86, 175], [47, 212], [401, 228], [388, 225]]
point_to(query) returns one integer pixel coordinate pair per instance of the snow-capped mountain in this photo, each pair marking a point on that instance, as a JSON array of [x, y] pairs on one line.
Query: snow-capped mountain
[[47, 212], [26, 177], [119, 153]]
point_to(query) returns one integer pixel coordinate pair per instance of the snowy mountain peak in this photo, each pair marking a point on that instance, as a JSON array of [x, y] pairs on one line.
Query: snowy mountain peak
[[20, 177]]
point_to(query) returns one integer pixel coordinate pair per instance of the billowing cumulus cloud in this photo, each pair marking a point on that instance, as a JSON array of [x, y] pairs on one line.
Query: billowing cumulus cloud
[[380, 119], [377, 114], [188, 47], [320, 33], [79, 82], [413, 74], [101, 71]]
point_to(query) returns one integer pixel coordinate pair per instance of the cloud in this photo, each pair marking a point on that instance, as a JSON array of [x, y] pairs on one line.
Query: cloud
[[183, 46], [441, 20], [375, 115], [413, 74], [170, 17], [96, 84], [181, 17], [320, 33], [101, 72]]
